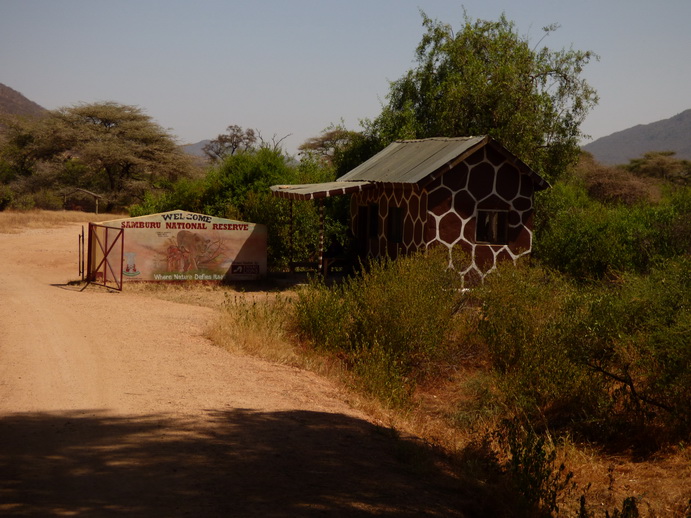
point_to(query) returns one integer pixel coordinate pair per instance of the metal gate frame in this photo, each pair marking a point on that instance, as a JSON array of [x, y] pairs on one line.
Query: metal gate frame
[[105, 255]]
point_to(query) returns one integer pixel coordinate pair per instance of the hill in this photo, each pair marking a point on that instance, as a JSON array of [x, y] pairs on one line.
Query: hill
[[196, 149], [673, 134], [14, 103]]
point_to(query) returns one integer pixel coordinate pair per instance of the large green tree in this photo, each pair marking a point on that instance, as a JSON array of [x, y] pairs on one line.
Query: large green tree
[[108, 148], [122, 151], [238, 187], [486, 79]]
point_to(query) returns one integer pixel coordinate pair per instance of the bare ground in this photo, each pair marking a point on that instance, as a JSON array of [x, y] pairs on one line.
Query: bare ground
[[114, 404]]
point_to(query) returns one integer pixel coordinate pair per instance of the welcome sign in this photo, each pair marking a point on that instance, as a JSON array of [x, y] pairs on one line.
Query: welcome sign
[[185, 246]]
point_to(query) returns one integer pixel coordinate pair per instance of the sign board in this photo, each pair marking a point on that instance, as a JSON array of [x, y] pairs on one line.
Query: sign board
[[184, 246]]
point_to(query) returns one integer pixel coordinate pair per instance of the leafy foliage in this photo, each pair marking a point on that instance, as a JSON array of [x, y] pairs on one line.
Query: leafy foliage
[[590, 239], [486, 79], [238, 187], [615, 356], [390, 322], [111, 149]]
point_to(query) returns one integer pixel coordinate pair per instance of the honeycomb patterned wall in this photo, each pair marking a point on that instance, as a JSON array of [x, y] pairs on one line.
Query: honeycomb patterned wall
[[444, 213]]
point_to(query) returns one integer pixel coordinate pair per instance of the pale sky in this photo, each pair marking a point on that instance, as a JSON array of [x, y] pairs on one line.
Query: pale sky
[[295, 66]]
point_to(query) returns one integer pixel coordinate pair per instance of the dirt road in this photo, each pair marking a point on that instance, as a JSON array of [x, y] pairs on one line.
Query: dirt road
[[114, 404]]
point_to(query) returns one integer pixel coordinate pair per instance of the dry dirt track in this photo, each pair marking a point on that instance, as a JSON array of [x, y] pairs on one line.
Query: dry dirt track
[[113, 404]]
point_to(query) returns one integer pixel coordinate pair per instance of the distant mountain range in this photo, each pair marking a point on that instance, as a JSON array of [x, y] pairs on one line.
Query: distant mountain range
[[196, 149], [14, 103], [673, 134]]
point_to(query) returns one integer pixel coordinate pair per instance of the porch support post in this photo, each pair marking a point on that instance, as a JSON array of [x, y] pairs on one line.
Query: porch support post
[[322, 266], [291, 244]]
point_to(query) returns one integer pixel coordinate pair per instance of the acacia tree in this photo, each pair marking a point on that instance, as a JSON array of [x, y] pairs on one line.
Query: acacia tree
[[119, 150], [661, 164], [227, 144], [112, 149], [488, 80], [328, 145]]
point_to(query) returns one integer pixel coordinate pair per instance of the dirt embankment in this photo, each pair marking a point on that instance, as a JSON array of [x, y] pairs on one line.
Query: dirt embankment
[[115, 404]]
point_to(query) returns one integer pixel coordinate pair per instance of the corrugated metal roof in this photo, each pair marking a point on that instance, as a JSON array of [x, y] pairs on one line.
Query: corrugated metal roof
[[311, 191], [410, 161], [405, 161]]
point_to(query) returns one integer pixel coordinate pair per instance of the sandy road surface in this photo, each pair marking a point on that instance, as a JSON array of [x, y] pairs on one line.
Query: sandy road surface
[[114, 404]]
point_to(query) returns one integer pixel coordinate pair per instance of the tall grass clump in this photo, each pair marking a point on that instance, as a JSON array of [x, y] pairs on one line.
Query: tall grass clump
[[256, 325], [387, 324], [537, 479]]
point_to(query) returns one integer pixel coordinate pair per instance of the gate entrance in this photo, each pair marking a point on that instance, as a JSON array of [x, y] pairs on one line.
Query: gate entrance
[[105, 254]]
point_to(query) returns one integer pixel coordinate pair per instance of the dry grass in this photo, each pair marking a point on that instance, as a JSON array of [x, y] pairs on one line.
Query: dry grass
[[13, 222], [209, 295], [661, 483], [257, 324]]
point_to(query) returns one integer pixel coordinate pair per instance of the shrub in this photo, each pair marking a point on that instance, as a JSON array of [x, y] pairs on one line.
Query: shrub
[[589, 240], [527, 317], [6, 196], [238, 188], [635, 337], [615, 184], [324, 316], [532, 467], [22, 202], [388, 323], [47, 200], [608, 360]]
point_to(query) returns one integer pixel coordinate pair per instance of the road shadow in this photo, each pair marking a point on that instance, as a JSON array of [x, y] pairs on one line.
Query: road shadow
[[233, 463]]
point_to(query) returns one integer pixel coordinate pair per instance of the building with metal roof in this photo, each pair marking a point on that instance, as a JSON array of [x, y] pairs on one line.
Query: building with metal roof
[[469, 193]]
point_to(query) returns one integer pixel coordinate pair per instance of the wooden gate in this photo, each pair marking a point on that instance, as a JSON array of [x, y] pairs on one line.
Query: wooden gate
[[104, 261]]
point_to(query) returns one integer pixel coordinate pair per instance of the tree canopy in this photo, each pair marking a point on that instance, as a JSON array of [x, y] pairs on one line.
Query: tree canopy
[[662, 164], [235, 139], [486, 79], [238, 187], [112, 149]]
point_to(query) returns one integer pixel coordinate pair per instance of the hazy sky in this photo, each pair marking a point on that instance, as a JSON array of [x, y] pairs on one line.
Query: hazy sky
[[295, 66]]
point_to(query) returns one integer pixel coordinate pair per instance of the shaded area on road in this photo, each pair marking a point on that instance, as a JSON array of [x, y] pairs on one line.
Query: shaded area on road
[[224, 463]]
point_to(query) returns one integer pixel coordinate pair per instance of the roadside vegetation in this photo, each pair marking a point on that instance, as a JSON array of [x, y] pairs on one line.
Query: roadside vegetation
[[565, 390], [15, 221], [558, 387]]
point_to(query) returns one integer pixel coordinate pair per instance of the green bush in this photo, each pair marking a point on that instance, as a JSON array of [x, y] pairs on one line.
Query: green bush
[[6, 196], [590, 240], [388, 323], [603, 359], [47, 200], [23, 202], [324, 316], [635, 337], [238, 188], [527, 317]]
